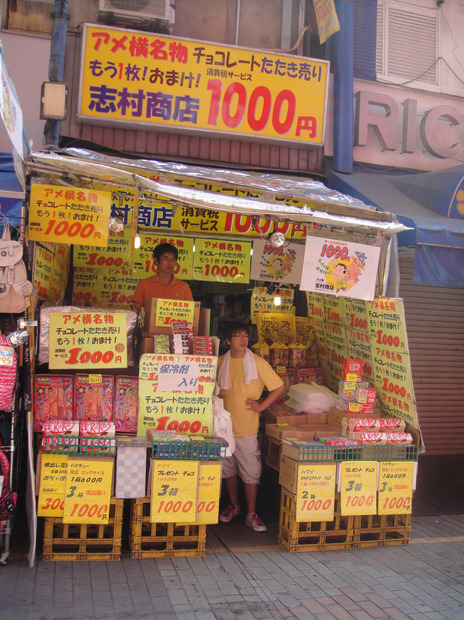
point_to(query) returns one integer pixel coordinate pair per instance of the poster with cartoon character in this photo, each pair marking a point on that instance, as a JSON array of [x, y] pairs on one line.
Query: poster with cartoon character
[[273, 264], [341, 268]]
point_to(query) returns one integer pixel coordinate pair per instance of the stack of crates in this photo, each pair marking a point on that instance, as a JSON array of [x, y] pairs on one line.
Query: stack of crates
[[313, 535], [381, 530], [163, 540], [82, 541]]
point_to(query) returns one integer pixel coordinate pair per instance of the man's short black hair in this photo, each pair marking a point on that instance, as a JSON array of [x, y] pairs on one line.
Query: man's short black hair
[[164, 248], [233, 327]]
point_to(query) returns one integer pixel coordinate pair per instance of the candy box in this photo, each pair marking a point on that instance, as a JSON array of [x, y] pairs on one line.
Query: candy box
[[93, 399], [126, 404], [348, 407], [355, 425], [347, 391], [97, 429], [61, 428], [53, 399], [392, 424], [352, 370]]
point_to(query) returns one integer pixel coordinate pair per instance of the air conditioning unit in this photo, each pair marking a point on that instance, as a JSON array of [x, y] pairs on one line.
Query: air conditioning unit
[[152, 14]]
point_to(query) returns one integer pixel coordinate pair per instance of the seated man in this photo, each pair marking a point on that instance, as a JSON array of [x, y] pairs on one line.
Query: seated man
[[163, 285], [242, 377]]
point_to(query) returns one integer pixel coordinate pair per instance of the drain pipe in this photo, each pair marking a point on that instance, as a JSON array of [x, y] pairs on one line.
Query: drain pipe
[[56, 64], [343, 88]]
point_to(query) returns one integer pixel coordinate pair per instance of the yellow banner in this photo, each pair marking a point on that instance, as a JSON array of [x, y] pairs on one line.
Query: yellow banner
[[169, 310], [143, 257], [174, 492], [88, 490], [53, 474], [103, 288], [116, 255], [88, 340], [262, 301], [359, 488], [395, 487], [42, 272], [69, 215], [276, 328], [327, 20], [222, 261], [387, 324], [167, 82], [316, 492]]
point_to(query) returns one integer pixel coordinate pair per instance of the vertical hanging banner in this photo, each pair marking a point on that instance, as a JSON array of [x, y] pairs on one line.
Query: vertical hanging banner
[[359, 488], [327, 19], [88, 490], [88, 340], [395, 487], [145, 79], [72, 215], [340, 268], [10, 110], [222, 261], [174, 491]]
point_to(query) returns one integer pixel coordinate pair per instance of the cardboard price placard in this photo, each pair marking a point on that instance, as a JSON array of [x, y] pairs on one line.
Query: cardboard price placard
[[359, 488], [88, 340], [395, 487], [53, 475], [222, 261], [88, 490], [169, 310], [69, 215], [316, 492], [209, 489], [144, 265], [174, 492]]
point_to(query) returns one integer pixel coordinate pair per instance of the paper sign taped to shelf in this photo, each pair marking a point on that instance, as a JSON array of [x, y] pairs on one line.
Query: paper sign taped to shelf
[[395, 487], [359, 488], [53, 474], [174, 491], [316, 492], [88, 490]]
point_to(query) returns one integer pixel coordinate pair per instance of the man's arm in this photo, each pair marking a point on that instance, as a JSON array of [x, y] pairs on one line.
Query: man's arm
[[273, 395]]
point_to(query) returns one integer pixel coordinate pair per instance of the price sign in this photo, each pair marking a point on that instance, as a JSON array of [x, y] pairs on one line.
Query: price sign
[[174, 377], [222, 261], [116, 255], [316, 492], [88, 491], [395, 487], [53, 474], [169, 310], [359, 488], [143, 259], [42, 270], [6, 356], [174, 491], [69, 215], [88, 340], [209, 489]]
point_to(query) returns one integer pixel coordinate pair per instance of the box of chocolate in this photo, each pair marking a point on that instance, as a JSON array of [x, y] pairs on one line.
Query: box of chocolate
[[352, 370], [126, 404], [53, 399], [93, 400]]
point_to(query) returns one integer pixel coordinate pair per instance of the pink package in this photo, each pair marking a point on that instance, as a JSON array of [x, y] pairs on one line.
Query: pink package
[[93, 398], [392, 424], [355, 425], [97, 429], [53, 399], [54, 429], [126, 404]]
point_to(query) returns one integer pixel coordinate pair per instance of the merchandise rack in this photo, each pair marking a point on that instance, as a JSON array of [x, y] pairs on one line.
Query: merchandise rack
[[163, 540], [354, 453], [80, 446]]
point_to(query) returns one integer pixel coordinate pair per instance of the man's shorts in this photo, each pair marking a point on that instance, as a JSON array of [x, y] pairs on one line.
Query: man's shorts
[[246, 460]]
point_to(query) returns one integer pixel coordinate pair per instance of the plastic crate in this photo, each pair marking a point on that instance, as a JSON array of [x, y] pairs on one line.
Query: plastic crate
[[204, 449], [352, 453], [163, 540], [313, 535], [381, 530], [389, 453], [100, 446], [83, 541]]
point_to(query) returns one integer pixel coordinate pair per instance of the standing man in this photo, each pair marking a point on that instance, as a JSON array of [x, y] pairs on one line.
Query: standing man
[[242, 376], [163, 285]]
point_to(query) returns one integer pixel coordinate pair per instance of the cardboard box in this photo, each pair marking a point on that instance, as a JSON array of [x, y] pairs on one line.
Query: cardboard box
[[150, 318], [281, 431], [288, 473], [292, 451], [317, 418], [336, 416]]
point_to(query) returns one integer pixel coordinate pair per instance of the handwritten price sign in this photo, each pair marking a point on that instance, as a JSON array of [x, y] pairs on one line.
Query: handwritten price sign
[[143, 259], [359, 488], [395, 487], [174, 491], [316, 492], [88, 491], [53, 474], [209, 488], [222, 261]]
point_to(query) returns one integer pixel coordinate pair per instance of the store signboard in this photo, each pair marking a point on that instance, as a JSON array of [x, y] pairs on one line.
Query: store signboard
[[148, 80], [219, 260], [53, 475], [174, 491], [315, 498], [340, 268], [282, 265], [359, 488], [88, 490], [71, 215], [87, 340], [395, 487]]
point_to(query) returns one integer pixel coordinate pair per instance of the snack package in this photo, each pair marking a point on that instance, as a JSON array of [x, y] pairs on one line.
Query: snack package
[[262, 349], [347, 391], [356, 425], [310, 375], [352, 370], [61, 428], [279, 355], [53, 399], [349, 407], [126, 404], [93, 399], [97, 429], [161, 344], [297, 355], [392, 424]]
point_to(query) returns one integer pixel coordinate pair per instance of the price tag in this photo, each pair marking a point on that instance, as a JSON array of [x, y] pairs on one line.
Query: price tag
[[53, 474], [316, 492], [6, 356], [359, 488], [174, 491], [88, 490], [169, 310], [209, 488], [222, 261], [395, 487]]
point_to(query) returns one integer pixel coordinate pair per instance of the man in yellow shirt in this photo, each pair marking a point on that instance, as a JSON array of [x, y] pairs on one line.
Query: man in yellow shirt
[[163, 285], [242, 377]]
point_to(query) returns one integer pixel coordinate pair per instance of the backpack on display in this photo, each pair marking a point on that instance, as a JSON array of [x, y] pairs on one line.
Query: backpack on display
[[7, 496], [15, 288]]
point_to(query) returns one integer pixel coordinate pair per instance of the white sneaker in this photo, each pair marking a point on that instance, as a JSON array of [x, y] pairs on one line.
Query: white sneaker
[[253, 521], [229, 513]]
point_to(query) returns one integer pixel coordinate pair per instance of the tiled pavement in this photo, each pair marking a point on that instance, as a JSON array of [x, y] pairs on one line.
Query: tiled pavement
[[423, 580]]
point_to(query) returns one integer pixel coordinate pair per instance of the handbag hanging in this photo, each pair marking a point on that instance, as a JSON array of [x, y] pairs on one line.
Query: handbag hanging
[[15, 288]]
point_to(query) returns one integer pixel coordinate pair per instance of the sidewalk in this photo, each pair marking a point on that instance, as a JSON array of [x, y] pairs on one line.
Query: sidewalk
[[424, 579]]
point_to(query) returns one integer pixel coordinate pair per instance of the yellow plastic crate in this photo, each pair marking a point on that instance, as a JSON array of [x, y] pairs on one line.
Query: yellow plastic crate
[[382, 530]]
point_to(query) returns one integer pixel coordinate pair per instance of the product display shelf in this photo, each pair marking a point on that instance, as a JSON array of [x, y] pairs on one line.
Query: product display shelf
[[197, 449], [320, 453], [163, 540], [381, 530], [84, 541], [94, 446], [313, 535]]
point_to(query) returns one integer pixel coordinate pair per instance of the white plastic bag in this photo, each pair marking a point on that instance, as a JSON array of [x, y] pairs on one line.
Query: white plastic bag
[[222, 424], [311, 397]]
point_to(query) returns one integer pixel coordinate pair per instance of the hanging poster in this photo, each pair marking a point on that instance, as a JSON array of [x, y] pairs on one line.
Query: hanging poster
[[340, 268], [222, 261], [262, 301], [116, 255], [282, 265], [144, 265]]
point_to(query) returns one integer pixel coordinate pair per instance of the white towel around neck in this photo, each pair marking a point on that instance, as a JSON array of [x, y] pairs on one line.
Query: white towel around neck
[[249, 370]]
